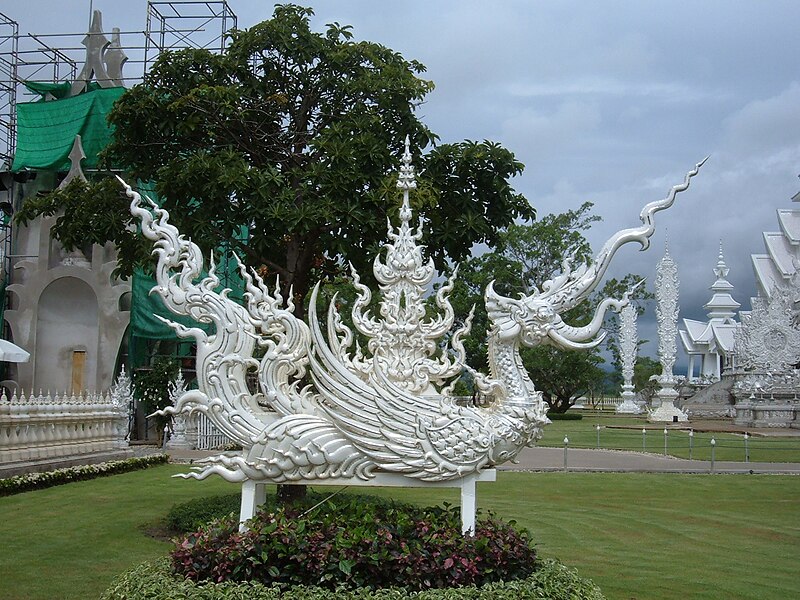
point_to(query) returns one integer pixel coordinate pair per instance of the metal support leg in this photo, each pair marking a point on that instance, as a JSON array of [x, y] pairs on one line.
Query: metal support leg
[[468, 505], [253, 495]]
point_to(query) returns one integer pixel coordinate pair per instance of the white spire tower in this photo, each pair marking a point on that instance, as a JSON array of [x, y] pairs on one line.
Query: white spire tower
[[667, 315], [628, 342]]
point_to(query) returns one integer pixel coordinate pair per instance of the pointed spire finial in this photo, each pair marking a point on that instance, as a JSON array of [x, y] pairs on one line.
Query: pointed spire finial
[[114, 58], [721, 270], [76, 155], [96, 43], [406, 180]]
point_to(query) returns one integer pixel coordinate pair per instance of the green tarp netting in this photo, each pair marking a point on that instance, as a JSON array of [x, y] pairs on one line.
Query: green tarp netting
[[145, 306], [56, 90], [47, 130]]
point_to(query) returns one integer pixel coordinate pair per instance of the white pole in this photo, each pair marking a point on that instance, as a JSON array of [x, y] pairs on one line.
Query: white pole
[[469, 502], [713, 447]]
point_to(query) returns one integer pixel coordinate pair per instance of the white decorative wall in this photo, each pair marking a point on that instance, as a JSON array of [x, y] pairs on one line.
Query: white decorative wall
[[62, 302]]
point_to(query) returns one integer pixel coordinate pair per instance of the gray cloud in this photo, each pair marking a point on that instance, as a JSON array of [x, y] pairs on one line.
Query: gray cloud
[[608, 102]]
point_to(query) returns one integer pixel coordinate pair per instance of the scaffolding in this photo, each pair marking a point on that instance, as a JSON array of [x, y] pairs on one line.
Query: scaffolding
[[56, 57], [9, 40], [179, 24]]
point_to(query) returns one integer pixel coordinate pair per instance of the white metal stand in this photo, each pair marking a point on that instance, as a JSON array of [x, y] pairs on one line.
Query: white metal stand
[[254, 494]]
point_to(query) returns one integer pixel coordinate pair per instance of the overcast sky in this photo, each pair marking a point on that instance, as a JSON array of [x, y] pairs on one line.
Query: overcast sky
[[610, 102]]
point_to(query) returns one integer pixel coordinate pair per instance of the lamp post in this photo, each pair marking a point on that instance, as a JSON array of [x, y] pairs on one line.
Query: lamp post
[[746, 449], [691, 442], [597, 427], [665, 440], [644, 439], [566, 443], [713, 447]]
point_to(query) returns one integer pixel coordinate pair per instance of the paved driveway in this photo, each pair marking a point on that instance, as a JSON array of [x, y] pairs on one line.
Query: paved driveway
[[552, 459]]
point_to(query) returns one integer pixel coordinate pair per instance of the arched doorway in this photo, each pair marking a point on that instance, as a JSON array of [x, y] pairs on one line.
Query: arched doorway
[[66, 337]]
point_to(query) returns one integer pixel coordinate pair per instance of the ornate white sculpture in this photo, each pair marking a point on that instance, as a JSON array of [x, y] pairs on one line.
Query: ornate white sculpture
[[667, 316], [178, 437], [770, 337], [386, 410], [402, 344], [122, 400], [628, 345]]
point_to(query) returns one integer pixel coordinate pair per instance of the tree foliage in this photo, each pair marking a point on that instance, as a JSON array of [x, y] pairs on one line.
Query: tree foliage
[[297, 134], [644, 371]]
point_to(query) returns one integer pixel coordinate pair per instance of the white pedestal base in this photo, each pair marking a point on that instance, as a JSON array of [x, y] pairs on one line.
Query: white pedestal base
[[628, 406], [667, 412]]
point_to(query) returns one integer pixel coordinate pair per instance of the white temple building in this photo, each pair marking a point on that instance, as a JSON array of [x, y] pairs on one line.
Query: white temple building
[[780, 262], [749, 370], [711, 343]]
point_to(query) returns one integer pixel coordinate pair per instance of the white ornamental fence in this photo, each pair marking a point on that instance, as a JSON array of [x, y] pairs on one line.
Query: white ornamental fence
[[192, 431], [41, 427], [209, 437]]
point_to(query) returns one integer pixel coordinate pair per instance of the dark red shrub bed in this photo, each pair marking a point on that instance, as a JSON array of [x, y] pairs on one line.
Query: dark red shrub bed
[[352, 541]]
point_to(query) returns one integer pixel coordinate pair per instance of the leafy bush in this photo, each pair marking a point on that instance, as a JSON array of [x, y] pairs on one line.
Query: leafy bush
[[38, 481], [567, 416], [192, 515], [351, 542], [155, 581]]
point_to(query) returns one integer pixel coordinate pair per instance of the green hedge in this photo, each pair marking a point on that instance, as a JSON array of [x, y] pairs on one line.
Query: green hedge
[[567, 416], [38, 481], [192, 515], [155, 581]]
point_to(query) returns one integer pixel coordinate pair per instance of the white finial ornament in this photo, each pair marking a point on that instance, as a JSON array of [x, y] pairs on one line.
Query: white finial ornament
[[96, 43], [76, 155]]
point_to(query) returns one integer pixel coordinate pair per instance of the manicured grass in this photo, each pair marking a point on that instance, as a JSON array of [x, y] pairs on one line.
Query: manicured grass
[[648, 536], [69, 541], [625, 433], [636, 535]]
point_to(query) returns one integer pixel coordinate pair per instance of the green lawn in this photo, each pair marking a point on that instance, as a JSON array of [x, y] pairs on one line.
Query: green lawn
[[638, 536], [625, 433]]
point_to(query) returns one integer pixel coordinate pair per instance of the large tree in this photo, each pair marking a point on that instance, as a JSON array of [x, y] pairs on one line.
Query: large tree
[[296, 135]]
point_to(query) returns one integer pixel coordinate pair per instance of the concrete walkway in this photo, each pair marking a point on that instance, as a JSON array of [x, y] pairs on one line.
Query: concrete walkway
[[620, 461], [589, 460], [530, 459]]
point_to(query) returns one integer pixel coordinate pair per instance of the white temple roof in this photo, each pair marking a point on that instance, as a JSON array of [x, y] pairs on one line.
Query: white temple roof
[[789, 220], [698, 337], [767, 274], [715, 335], [688, 345], [697, 331], [781, 251], [725, 336]]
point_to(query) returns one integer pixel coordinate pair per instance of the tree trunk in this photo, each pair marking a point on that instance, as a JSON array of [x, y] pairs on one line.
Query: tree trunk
[[291, 494]]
